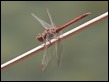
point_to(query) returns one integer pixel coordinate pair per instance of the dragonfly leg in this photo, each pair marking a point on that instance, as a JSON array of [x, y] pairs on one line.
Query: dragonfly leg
[[48, 34], [49, 41]]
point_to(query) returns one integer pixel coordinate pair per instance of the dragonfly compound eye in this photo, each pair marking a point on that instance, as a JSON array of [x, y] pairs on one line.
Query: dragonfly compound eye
[[39, 37]]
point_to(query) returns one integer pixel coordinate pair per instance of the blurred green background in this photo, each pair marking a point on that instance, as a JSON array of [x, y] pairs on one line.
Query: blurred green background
[[85, 55]]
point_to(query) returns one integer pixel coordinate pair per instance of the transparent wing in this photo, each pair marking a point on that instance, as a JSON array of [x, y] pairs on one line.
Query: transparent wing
[[58, 51], [52, 24], [45, 60], [43, 23], [46, 57]]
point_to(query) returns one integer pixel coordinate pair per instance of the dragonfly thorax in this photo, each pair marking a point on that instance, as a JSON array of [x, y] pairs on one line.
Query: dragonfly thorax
[[48, 34]]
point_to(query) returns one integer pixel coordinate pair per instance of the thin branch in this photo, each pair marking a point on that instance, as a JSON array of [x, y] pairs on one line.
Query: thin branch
[[63, 36]]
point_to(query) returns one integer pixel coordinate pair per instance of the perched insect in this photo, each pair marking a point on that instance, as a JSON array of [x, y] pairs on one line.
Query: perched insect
[[51, 31]]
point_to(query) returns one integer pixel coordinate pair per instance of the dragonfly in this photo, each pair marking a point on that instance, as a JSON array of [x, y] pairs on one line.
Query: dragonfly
[[52, 31]]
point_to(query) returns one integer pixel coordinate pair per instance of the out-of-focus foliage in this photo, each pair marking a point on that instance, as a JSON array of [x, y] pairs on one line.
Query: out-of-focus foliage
[[85, 55]]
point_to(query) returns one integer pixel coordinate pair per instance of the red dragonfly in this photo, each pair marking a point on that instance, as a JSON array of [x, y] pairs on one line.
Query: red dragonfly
[[51, 31]]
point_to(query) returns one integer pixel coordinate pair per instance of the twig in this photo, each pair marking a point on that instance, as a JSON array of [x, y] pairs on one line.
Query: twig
[[63, 36]]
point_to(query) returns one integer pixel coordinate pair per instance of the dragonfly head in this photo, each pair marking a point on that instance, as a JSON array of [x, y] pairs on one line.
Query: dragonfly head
[[40, 38]]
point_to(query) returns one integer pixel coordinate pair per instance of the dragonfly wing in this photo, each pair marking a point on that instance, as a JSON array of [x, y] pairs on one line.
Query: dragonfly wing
[[43, 23], [44, 60], [46, 57], [52, 24], [58, 50]]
